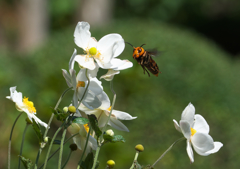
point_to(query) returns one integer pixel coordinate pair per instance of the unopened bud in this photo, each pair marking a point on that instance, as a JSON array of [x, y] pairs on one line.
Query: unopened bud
[[45, 140], [73, 147], [72, 109], [111, 163], [139, 148], [65, 109], [110, 132]]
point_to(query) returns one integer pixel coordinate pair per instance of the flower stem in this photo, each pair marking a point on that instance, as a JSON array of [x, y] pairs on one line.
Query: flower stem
[[135, 160], [10, 140], [58, 149], [67, 160], [80, 101], [49, 122], [183, 138], [21, 149], [104, 128], [61, 148], [85, 147]]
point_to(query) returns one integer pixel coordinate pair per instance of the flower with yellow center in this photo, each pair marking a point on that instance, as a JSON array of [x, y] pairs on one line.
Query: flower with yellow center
[[104, 51], [23, 104], [81, 138], [195, 129]]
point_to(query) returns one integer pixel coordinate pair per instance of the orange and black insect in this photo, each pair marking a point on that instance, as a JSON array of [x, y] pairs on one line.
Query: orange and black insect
[[144, 58]]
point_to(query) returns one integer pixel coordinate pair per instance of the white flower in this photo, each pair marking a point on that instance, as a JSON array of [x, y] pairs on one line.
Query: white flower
[[103, 52], [79, 84], [81, 138], [23, 104], [195, 129], [103, 111]]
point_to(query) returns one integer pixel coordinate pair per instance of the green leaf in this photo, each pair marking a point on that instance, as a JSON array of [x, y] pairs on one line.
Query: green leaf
[[88, 163], [37, 130], [26, 162], [118, 138], [60, 115], [94, 123], [80, 120]]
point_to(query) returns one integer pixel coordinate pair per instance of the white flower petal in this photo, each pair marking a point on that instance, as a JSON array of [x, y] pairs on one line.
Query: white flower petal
[[122, 115], [188, 114], [122, 64], [202, 143], [110, 74], [200, 124], [186, 129], [85, 61], [177, 126], [82, 35], [72, 60], [113, 122], [94, 142], [67, 77], [190, 152], [217, 146], [105, 101], [95, 86], [91, 101]]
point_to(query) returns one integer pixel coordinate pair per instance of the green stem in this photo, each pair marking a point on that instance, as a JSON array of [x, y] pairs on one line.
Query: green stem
[[67, 160], [49, 122], [104, 128], [80, 101], [85, 147], [61, 148], [21, 149], [10, 140], [50, 146], [58, 149], [135, 160], [183, 138]]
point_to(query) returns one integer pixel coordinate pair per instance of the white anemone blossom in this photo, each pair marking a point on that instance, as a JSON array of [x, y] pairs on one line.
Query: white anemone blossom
[[195, 129], [103, 111], [104, 51], [79, 82], [81, 138], [23, 104]]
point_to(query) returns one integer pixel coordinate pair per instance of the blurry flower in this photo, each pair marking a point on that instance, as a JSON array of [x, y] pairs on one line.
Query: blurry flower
[[23, 104], [103, 52], [103, 111], [79, 84], [81, 138], [195, 129]]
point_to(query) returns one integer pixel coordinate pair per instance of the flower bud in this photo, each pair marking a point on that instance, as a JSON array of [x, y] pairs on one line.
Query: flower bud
[[73, 147], [72, 109], [45, 140], [110, 132], [111, 163], [65, 109], [139, 148]]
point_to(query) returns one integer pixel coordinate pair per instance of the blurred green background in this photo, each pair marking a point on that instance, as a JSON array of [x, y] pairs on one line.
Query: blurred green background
[[195, 68]]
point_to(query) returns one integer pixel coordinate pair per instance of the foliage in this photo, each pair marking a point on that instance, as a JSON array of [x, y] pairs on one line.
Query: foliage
[[193, 70]]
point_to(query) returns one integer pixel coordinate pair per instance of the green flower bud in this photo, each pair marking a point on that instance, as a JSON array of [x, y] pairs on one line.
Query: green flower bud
[[72, 109], [45, 140], [110, 132], [65, 109], [139, 148], [111, 163]]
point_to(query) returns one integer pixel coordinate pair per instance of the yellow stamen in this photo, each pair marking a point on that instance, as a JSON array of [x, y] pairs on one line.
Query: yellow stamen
[[81, 84], [29, 105], [109, 109], [93, 51], [86, 127], [193, 131]]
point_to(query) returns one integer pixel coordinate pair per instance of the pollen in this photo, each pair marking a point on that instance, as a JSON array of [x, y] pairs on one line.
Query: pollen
[[193, 131], [109, 109], [81, 84], [86, 127], [29, 105]]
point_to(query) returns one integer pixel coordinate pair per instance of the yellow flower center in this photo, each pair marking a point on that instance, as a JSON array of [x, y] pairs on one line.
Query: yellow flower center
[[93, 52], [193, 131], [29, 105], [109, 109], [80, 84], [86, 127]]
